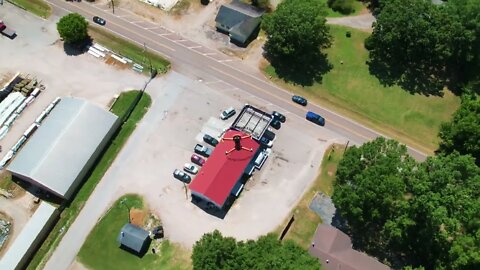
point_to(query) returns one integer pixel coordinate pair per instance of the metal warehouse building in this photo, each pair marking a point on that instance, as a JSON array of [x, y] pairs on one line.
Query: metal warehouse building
[[62, 150]]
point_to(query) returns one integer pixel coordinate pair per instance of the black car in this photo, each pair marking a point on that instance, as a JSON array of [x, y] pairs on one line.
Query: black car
[[266, 142], [99, 20], [275, 124], [280, 117], [182, 176], [210, 140], [202, 150], [300, 100], [269, 135]]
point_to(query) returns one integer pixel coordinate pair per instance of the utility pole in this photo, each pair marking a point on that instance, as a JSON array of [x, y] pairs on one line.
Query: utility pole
[[113, 6]]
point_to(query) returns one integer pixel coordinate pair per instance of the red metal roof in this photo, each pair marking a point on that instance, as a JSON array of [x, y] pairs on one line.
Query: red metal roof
[[218, 176]]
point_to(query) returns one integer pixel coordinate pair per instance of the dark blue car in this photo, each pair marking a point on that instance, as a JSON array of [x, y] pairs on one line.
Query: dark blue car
[[315, 118]]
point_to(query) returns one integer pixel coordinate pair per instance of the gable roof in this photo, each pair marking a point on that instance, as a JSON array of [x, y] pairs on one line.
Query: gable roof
[[217, 178], [63, 145], [334, 249], [241, 19], [132, 237]]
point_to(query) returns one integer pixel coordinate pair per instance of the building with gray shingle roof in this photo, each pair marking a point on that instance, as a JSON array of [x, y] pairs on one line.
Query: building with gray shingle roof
[[334, 250], [133, 238], [239, 20], [62, 150]]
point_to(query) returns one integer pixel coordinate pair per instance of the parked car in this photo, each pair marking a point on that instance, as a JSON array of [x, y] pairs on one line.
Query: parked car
[[280, 117], [189, 167], [227, 113], [182, 176], [197, 160], [266, 142], [210, 140], [269, 135], [99, 20], [202, 150], [300, 100], [276, 124], [315, 118]]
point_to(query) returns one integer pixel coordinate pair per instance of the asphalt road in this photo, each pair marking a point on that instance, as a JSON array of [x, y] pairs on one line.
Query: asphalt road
[[211, 66]]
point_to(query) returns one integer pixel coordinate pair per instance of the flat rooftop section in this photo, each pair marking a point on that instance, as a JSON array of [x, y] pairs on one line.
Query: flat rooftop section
[[28, 237], [216, 179], [62, 147], [252, 121]]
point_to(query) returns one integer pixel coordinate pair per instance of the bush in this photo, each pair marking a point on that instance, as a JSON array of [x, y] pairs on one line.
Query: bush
[[342, 6], [348, 34]]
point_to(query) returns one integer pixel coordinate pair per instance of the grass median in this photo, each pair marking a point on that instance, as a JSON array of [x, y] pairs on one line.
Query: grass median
[[306, 221], [101, 250], [69, 214], [351, 90], [37, 7], [128, 49]]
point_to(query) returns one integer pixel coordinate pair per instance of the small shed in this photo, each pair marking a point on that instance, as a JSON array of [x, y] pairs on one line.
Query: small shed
[[240, 21], [133, 239]]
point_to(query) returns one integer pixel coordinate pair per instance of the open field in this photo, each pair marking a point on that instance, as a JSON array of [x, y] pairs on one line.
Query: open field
[[37, 7], [128, 49], [71, 211], [306, 221], [350, 90], [101, 250]]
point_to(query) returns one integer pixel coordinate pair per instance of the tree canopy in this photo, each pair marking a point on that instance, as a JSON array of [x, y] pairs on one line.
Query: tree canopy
[[296, 33], [419, 214], [72, 28], [462, 134], [215, 251], [423, 47]]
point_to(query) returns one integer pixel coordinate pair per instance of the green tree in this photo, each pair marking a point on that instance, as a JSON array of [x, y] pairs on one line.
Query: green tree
[[419, 46], [296, 33], [214, 251], [412, 214], [462, 134], [370, 188], [72, 28], [342, 6]]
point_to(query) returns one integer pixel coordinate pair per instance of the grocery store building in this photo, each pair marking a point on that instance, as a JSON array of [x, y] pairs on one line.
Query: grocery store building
[[235, 158]]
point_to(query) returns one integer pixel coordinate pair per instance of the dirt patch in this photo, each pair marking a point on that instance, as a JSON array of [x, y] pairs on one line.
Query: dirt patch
[[137, 216]]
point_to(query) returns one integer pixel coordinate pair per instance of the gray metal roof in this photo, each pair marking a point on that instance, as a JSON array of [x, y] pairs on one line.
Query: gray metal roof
[[61, 147], [13, 259], [132, 237], [242, 19]]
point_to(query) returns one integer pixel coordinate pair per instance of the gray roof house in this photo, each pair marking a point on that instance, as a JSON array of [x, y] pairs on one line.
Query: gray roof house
[[239, 20], [334, 250], [134, 239], [59, 154]]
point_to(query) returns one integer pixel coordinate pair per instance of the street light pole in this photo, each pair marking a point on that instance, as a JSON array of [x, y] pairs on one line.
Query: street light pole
[[113, 6], [122, 202]]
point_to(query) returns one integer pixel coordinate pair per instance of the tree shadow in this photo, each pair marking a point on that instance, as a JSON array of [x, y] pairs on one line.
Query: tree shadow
[[304, 70], [77, 48], [414, 80]]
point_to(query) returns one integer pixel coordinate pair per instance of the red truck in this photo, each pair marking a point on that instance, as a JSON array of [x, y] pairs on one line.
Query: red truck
[[6, 31]]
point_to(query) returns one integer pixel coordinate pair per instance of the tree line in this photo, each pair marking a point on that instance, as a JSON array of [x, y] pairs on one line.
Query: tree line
[[423, 215]]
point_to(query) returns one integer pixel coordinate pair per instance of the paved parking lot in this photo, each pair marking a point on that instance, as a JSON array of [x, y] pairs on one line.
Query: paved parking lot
[[182, 108]]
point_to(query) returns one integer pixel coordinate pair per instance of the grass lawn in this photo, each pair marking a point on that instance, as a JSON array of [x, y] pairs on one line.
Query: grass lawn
[[357, 5], [351, 90], [101, 251], [37, 7], [71, 211], [306, 220], [128, 49]]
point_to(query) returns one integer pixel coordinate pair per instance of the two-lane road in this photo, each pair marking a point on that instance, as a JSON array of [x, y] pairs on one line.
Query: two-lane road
[[214, 66]]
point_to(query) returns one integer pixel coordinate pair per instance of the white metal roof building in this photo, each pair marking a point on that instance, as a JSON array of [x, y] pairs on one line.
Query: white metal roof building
[[29, 238], [62, 150]]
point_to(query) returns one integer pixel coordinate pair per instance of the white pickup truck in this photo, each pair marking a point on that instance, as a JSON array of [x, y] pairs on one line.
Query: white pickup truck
[[6, 31]]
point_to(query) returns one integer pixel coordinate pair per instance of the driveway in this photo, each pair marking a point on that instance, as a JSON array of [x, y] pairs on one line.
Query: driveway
[[361, 22]]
